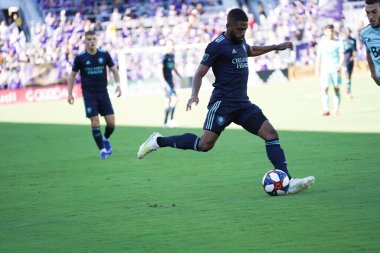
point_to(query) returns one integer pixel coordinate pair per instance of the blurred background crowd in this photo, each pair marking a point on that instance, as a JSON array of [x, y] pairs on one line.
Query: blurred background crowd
[[124, 25]]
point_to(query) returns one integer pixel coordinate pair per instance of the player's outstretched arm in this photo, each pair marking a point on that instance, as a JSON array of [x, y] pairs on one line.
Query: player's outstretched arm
[[70, 85], [372, 68], [259, 50], [196, 85]]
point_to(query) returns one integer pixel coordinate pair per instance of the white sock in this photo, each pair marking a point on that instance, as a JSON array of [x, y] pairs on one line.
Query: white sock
[[325, 101], [337, 101]]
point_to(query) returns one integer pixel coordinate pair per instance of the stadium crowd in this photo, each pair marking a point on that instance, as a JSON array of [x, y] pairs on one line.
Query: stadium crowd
[[126, 24]]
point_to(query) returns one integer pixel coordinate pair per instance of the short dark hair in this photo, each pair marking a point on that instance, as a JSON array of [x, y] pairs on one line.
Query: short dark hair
[[236, 15], [331, 27], [372, 1], [90, 33]]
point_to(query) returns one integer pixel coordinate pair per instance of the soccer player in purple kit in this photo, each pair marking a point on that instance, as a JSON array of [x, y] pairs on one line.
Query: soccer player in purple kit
[[168, 66], [228, 56], [92, 64], [350, 51]]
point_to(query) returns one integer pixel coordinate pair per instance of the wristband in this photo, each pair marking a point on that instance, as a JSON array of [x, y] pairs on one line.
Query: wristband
[[117, 84]]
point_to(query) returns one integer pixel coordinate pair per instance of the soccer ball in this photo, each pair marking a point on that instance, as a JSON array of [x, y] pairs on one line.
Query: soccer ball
[[275, 182]]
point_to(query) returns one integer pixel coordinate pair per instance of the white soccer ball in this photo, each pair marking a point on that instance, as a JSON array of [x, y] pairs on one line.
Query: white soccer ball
[[276, 182]]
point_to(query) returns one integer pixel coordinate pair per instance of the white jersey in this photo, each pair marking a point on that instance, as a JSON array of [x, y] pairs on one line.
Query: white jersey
[[371, 38], [330, 52]]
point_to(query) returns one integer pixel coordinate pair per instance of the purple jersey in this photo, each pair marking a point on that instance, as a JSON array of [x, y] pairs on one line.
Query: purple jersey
[[93, 71], [168, 66], [349, 46], [229, 63]]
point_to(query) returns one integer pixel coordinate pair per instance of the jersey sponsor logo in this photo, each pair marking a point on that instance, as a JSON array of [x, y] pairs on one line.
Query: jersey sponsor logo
[[94, 70], [205, 57], [170, 64], [348, 45], [88, 62], [241, 62], [234, 51]]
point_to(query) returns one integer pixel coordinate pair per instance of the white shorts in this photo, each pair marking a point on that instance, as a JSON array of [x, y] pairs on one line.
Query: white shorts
[[331, 78]]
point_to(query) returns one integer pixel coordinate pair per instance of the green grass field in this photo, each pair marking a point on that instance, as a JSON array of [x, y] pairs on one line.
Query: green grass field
[[57, 196]]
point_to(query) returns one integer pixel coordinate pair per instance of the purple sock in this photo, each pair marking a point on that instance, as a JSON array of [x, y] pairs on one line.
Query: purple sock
[[276, 155], [185, 141], [98, 137]]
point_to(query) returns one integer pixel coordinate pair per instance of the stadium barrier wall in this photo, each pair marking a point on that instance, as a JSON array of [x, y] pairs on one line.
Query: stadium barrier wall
[[307, 72], [59, 92], [38, 94]]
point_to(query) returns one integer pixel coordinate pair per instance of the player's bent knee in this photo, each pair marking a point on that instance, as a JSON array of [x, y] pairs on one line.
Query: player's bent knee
[[205, 147], [110, 120], [95, 122], [272, 134], [173, 101], [267, 132]]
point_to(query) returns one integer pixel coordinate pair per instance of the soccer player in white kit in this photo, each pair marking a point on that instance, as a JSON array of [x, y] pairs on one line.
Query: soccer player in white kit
[[330, 58], [370, 35]]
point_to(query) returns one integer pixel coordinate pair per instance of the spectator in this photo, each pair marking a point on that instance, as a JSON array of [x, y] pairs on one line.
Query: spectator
[[131, 25]]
